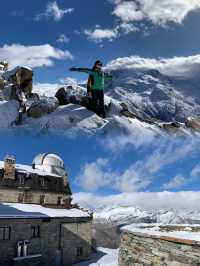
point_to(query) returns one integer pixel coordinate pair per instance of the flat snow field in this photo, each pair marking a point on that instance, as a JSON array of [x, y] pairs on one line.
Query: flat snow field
[[103, 257]]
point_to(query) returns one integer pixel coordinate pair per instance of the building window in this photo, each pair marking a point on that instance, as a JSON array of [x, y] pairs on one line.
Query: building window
[[42, 182], [21, 180], [42, 199], [21, 197], [79, 251], [5, 233], [35, 231], [59, 202]]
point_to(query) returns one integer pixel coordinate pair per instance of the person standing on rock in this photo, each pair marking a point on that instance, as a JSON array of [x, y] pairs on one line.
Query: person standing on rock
[[95, 86]]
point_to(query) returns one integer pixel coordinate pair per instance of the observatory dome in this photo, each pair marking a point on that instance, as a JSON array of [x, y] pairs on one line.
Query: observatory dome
[[51, 163]]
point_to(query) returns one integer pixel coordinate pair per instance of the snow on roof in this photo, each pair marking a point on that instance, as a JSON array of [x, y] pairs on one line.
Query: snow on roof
[[179, 232], [28, 169], [20, 210]]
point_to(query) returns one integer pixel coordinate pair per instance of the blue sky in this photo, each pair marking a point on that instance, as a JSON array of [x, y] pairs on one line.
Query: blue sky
[[51, 36], [96, 29], [96, 166]]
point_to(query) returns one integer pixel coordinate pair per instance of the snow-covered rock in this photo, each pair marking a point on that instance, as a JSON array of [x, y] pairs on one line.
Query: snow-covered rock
[[8, 113], [122, 215], [128, 214], [65, 119], [139, 103]]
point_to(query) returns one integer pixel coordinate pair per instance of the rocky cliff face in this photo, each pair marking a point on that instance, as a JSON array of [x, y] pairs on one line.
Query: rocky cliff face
[[153, 95]]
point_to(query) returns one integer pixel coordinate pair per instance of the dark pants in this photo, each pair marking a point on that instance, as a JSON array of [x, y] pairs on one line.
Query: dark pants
[[98, 102]]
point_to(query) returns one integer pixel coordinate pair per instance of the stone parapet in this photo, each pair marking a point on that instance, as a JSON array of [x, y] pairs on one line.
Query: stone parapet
[[141, 248]]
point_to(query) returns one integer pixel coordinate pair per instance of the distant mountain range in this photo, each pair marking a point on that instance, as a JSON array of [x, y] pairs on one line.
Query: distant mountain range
[[109, 220]]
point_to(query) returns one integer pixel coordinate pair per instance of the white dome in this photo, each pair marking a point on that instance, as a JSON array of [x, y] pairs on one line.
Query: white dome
[[50, 162]]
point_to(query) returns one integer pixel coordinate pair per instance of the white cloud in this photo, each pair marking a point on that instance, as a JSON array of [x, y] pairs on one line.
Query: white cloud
[[54, 11], [62, 38], [175, 66], [140, 174], [131, 180], [133, 13], [99, 34], [167, 154], [146, 200], [126, 28], [176, 182], [95, 175], [162, 12], [32, 56], [128, 11], [156, 11]]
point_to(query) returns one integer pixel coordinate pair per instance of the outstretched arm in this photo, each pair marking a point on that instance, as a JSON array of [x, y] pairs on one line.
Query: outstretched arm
[[79, 69]]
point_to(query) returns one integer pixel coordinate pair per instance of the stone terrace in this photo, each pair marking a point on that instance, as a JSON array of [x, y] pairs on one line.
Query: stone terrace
[[172, 245]]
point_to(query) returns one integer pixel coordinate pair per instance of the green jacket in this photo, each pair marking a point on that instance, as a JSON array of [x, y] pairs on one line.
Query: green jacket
[[98, 77]]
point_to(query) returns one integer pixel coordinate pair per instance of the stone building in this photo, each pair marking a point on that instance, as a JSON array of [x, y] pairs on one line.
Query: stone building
[[160, 245], [38, 223]]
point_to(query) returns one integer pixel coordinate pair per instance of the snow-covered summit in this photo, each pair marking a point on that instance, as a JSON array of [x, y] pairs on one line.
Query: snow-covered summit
[[155, 95], [130, 214], [139, 102]]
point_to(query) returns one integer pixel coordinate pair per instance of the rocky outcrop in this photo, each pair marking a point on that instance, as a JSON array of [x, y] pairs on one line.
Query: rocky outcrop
[[42, 107], [193, 123], [172, 127], [21, 77]]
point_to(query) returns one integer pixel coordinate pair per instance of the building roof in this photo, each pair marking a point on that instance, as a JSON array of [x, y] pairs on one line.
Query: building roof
[[20, 210], [29, 169]]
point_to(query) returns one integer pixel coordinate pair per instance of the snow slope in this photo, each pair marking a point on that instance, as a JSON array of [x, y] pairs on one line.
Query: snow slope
[[155, 104], [153, 98], [103, 257]]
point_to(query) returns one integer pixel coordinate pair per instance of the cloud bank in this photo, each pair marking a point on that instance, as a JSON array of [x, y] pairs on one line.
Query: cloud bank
[[32, 56], [157, 12], [145, 200], [175, 66]]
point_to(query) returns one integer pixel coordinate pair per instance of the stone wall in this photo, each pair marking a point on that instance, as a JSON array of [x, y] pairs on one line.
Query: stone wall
[[142, 249], [21, 179], [57, 238], [11, 195]]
